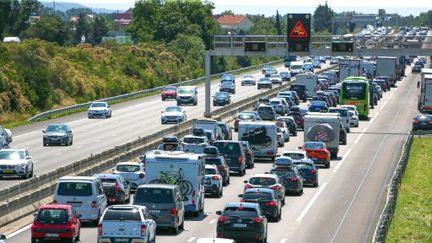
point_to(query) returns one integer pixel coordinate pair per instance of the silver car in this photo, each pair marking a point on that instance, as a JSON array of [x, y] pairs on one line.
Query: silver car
[[7, 134], [276, 79], [194, 144], [131, 171], [99, 109], [248, 80], [60, 134], [16, 162], [173, 114]]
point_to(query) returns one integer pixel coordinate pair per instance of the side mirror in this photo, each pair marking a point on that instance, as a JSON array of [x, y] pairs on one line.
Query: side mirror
[[300, 147], [266, 172], [2, 237], [162, 111], [79, 216], [240, 195], [219, 212], [245, 181], [43, 131], [418, 84]]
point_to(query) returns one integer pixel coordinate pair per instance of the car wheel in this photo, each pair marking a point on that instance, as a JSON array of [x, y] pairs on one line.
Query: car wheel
[[299, 193], [220, 193], [33, 240], [178, 104], [315, 184], [181, 226], [31, 173], [344, 142], [214, 104], [175, 230], [96, 221], [327, 165]]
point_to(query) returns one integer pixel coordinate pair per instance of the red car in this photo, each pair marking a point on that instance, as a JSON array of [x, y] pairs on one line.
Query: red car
[[169, 92], [56, 222], [318, 152]]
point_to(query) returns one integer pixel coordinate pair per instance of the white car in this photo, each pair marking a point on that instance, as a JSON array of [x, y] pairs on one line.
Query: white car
[[194, 144], [173, 114], [282, 127], [248, 80], [16, 162], [297, 156], [276, 79], [279, 105], [131, 171], [99, 109], [280, 137], [213, 181], [6, 133], [354, 119]]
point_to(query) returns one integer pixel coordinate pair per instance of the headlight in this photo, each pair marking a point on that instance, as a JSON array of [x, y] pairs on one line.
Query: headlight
[[21, 164]]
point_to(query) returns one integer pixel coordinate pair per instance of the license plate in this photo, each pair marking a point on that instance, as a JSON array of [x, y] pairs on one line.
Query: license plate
[[314, 159], [239, 225], [51, 235], [154, 211], [8, 171], [122, 240]]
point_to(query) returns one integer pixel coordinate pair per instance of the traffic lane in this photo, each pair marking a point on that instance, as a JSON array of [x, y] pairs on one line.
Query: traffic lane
[[347, 209]]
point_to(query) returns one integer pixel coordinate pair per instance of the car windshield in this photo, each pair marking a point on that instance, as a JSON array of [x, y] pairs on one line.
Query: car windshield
[[173, 109], [52, 216], [98, 104], [275, 102], [185, 91], [283, 172], [221, 94], [79, 189], [258, 196], [120, 214], [209, 171], [170, 89], [342, 112], [265, 181], [275, 76], [228, 148], [354, 90], [318, 103], [295, 155], [246, 116], [128, 168], [227, 84], [264, 79], [247, 77], [304, 166], [314, 145], [153, 195], [12, 155], [194, 140], [108, 180], [240, 212], [56, 128]]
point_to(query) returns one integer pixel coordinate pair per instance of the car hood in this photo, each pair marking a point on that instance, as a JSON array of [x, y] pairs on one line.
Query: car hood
[[172, 114], [11, 161], [55, 134], [98, 109]]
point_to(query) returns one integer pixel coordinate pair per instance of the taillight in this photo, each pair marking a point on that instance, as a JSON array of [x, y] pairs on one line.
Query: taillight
[[416, 122], [257, 220], [294, 179], [221, 167], [143, 229], [240, 159], [215, 178], [247, 186], [117, 187], [313, 171], [94, 204], [270, 153], [173, 211], [271, 204], [99, 229], [222, 219], [323, 152], [248, 153], [141, 175], [242, 200], [276, 187]]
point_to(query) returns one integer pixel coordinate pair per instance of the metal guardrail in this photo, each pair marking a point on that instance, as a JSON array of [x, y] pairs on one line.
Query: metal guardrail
[[386, 216], [142, 92]]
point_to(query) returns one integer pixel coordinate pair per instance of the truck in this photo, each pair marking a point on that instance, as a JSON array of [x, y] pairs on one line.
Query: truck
[[349, 67], [388, 66], [323, 127], [332, 76], [261, 137], [296, 68], [425, 85], [310, 80], [208, 125], [368, 69], [185, 170]]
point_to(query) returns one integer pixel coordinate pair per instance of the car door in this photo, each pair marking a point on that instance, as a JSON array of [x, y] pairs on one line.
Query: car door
[[101, 198], [179, 205], [151, 225]]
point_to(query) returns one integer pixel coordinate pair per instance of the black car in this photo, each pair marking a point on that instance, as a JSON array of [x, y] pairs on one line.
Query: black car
[[422, 122], [250, 158], [416, 68], [60, 134], [227, 86], [290, 123], [242, 221], [226, 130], [309, 171], [342, 134], [116, 189], [381, 83], [270, 204], [221, 98], [290, 177], [301, 91], [234, 154], [214, 158]]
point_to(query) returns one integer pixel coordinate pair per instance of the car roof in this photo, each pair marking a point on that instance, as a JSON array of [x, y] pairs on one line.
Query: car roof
[[207, 166], [125, 206], [78, 178], [294, 151], [163, 186], [128, 163], [55, 206], [268, 190], [242, 204], [107, 176], [214, 240], [14, 150], [264, 175]]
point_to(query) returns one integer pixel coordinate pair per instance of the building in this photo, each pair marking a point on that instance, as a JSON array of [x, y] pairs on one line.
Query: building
[[364, 19], [235, 23], [124, 19]]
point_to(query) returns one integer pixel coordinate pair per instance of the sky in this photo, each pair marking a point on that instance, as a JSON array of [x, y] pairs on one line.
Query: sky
[[269, 7]]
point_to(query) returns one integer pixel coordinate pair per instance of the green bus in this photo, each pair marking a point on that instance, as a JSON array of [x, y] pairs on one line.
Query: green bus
[[355, 91]]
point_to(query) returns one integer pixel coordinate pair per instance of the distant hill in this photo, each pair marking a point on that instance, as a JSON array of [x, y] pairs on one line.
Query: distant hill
[[64, 6]]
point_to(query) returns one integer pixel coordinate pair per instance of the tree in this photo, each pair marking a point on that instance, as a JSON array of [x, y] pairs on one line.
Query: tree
[[82, 27], [20, 15], [99, 29], [322, 18], [278, 24], [49, 28]]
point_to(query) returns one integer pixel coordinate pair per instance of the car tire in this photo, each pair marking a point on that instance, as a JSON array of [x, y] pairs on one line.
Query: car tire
[[96, 221], [175, 230], [220, 194], [31, 173], [214, 104], [327, 165], [33, 240], [181, 226], [344, 142], [315, 184], [178, 104], [299, 193], [295, 134]]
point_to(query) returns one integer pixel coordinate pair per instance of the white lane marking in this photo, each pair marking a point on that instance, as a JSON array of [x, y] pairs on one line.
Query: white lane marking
[[13, 234], [58, 154], [385, 103], [361, 134], [390, 96], [311, 202], [35, 161], [98, 141], [212, 221], [191, 239], [283, 240], [342, 160], [23, 135], [114, 135]]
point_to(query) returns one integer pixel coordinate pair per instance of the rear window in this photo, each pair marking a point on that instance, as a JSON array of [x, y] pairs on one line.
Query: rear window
[[304, 166], [340, 111], [122, 215], [240, 211], [228, 149], [52, 216], [283, 172], [294, 155], [153, 195], [265, 181], [313, 145], [212, 161], [258, 196], [193, 140], [79, 189], [128, 168], [106, 181], [210, 172]]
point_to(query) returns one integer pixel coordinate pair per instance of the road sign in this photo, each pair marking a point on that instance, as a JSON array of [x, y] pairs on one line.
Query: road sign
[[343, 46], [255, 46], [299, 27]]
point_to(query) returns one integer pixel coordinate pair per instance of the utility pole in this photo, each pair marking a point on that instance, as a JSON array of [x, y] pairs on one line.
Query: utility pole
[[54, 8]]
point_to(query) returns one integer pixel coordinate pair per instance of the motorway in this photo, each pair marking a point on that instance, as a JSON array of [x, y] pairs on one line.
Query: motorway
[[344, 208]]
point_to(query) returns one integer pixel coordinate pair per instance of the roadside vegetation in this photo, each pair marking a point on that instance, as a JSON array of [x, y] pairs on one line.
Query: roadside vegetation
[[412, 221]]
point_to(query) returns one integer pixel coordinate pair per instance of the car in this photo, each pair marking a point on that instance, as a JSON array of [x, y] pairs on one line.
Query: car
[[265, 100], [132, 172], [2, 238], [234, 154], [266, 181], [301, 91], [298, 118], [386, 80], [344, 116], [289, 177], [134, 222], [214, 158], [280, 138], [187, 95], [290, 124], [295, 96], [264, 83], [334, 60], [279, 105], [3, 143], [266, 112], [248, 80], [333, 98], [318, 106], [250, 158], [354, 119], [213, 181], [381, 83], [169, 92], [60, 134], [221, 98], [172, 143], [342, 134], [7, 134], [276, 79], [270, 72], [173, 114], [227, 77], [116, 189], [226, 130], [165, 204], [309, 172], [296, 155], [227, 86], [316, 63], [242, 221], [285, 76], [194, 144], [243, 116], [416, 68], [16, 162], [99, 109], [210, 136], [308, 67], [269, 203], [422, 122], [56, 222], [284, 129], [288, 97], [318, 152]]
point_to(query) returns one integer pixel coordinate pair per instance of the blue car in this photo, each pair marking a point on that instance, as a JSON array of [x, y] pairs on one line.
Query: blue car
[[308, 170], [318, 106]]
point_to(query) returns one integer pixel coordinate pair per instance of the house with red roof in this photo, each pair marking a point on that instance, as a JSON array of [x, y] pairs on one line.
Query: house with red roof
[[123, 19], [234, 23]]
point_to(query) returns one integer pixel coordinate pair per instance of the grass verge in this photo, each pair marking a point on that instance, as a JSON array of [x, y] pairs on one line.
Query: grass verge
[[412, 220]]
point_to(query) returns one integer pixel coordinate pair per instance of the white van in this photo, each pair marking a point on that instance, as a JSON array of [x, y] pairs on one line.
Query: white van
[[296, 68], [310, 80], [261, 137], [344, 115], [179, 168], [11, 40], [85, 194], [323, 127]]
